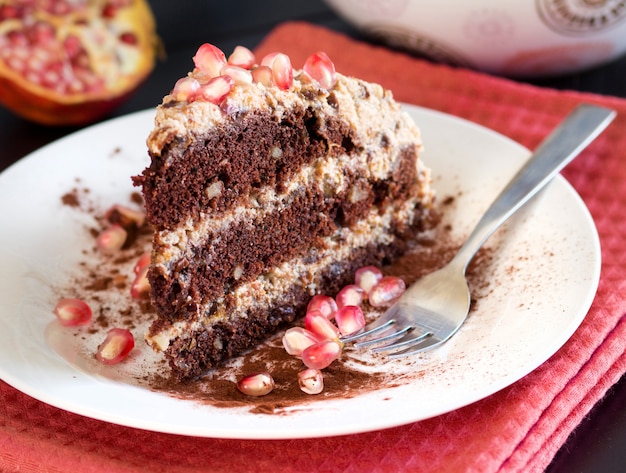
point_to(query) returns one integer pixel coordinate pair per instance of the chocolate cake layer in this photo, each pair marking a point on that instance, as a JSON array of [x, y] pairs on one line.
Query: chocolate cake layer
[[204, 347], [243, 250]]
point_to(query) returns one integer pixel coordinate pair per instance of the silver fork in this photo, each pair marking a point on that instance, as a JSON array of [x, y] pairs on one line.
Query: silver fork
[[433, 308]]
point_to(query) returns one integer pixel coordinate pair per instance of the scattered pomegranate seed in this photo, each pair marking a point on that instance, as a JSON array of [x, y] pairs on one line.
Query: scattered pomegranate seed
[[111, 239], [321, 69], [297, 339], [214, 91], [125, 216], [320, 326], [72, 312], [242, 57], [258, 384], [386, 291], [282, 72], [311, 381], [262, 75], [350, 319], [209, 59], [322, 354], [116, 346], [140, 286], [367, 277], [142, 262], [325, 304], [185, 88], [240, 75], [350, 295]]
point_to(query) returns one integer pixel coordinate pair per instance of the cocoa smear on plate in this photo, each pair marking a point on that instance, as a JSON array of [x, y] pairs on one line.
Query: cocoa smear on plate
[[104, 282]]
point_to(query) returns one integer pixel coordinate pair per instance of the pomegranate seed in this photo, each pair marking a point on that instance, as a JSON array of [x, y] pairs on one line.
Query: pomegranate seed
[[129, 39], [116, 346], [142, 262], [240, 75], [214, 91], [350, 319], [42, 33], [242, 57], [140, 286], [320, 326], [282, 72], [322, 354], [350, 295], [262, 75], [72, 312], [325, 304], [8, 12], [297, 339], [185, 88], [321, 69], [112, 239], [367, 277], [125, 217], [268, 59], [386, 291], [258, 384], [209, 59], [311, 381]]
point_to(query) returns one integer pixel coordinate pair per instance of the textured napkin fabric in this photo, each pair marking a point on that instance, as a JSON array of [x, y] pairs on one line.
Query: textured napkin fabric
[[518, 429]]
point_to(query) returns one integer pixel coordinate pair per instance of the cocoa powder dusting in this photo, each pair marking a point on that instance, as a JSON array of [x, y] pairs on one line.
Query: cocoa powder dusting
[[105, 283]]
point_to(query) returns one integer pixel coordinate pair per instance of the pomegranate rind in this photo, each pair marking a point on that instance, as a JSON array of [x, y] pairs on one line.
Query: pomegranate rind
[[45, 106]]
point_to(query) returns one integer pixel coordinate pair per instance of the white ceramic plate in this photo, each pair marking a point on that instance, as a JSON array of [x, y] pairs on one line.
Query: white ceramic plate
[[545, 274]]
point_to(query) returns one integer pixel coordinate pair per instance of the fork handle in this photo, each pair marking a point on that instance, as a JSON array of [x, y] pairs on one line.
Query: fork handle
[[573, 135]]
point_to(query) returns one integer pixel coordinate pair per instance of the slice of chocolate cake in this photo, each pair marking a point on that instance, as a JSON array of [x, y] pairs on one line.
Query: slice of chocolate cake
[[267, 186]]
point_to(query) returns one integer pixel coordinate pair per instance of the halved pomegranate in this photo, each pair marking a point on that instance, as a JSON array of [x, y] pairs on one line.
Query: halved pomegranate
[[70, 62]]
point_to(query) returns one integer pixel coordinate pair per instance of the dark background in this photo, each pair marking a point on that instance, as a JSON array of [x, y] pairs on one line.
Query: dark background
[[598, 445]]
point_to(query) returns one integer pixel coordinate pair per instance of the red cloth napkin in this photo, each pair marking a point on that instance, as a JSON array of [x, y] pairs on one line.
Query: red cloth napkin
[[518, 429]]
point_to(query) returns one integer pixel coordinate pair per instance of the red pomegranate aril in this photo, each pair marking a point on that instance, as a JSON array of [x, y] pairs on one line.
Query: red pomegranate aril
[[258, 384], [321, 69], [386, 291], [214, 91], [320, 326], [140, 286], [125, 216], [111, 239], [118, 343], [41, 33], [282, 72], [350, 295], [142, 262], [350, 319], [240, 75], [209, 59], [242, 57], [71, 312], [268, 59], [325, 304], [297, 339], [262, 75], [185, 88], [128, 38], [367, 277], [311, 381], [322, 354]]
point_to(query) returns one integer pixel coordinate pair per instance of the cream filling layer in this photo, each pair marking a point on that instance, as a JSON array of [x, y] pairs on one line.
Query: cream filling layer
[[270, 287]]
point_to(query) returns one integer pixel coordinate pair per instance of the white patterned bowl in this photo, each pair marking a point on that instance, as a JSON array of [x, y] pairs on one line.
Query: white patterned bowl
[[519, 38]]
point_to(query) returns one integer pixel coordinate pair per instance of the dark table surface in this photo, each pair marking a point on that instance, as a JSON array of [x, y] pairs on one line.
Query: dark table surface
[[598, 445]]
